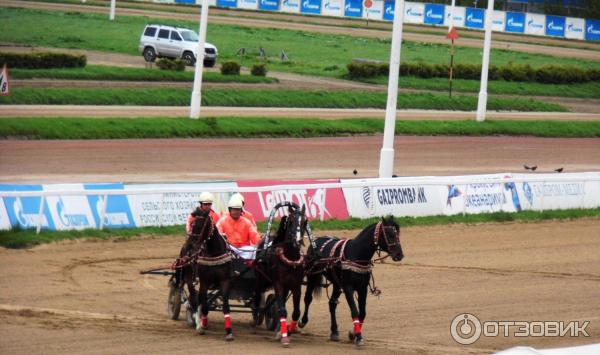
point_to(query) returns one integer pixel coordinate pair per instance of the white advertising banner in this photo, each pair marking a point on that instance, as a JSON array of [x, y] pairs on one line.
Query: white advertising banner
[[459, 15], [535, 24], [248, 4], [332, 8], [292, 6], [498, 21], [171, 208], [414, 12], [4, 221], [403, 197], [546, 195], [482, 197], [69, 212], [574, 28]]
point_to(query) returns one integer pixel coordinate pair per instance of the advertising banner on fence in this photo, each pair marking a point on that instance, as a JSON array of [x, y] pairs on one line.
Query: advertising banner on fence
[[4, 221], [555, 26], [574, 28], [115, 208], [172, 208], [459, 16], [292, 6], [248, 4], [269, 5], [332, 8], [535, 24], [353, 8], [375, 12], [482, 197], [498, 21], [515, 22], [401, 198], [434, 14], [474, 18], [592, 30], [227, 3], [414, 12], [311, 7], [23, 212], [320, 203], [69, 212], [388, 10]]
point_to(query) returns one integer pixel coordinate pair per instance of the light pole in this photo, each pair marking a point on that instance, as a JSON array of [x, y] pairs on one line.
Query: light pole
[[487, 43], [197, 89], [386, 158], [112, 9]]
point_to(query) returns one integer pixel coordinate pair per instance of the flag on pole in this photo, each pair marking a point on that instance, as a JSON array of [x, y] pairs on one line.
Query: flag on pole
[[4, 90]]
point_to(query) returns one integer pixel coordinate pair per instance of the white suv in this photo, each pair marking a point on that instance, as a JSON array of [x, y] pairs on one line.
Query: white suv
[[174, 42]]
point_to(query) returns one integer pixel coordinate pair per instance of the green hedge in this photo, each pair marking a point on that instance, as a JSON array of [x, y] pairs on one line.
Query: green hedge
[[170, 64], [259, 69], [547, 74], [42, 60], [230, 68]]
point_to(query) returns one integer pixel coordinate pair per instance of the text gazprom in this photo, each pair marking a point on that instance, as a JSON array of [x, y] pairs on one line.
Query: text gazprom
[[401, 196]]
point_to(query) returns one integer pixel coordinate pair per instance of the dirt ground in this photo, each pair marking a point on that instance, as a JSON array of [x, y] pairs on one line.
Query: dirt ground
[[88, 296], [161, 160]]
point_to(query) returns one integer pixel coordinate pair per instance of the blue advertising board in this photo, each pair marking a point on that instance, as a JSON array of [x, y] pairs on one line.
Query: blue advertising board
[[227, 3], [515, 22], [311, 7], [269, 5], [388, 10], [434, 14], [474, 18], [555, 26], [23, 212], [592, 30], [117, 213], [353, 8]]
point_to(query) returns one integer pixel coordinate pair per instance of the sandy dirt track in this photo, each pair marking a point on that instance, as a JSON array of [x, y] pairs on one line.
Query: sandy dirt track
[[358, 32], [87, 297], [161, 160]]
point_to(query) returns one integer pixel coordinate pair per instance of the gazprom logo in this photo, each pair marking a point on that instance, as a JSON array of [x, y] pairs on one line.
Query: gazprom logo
[[269, 3], [389, 10], [591, 30], [470, 18], [413, 12], [307, 5], [511, 22], [70, 219], [571, 27], [552, 26], [430, 14], [349, 8], [328, 6], [531, 23]]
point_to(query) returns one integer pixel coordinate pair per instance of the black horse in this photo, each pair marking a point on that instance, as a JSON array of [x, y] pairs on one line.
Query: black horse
[[211, 263], [347, 265], [280, 265]]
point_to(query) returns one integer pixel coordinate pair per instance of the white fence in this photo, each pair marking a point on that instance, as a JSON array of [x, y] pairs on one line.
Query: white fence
[[81, 206]]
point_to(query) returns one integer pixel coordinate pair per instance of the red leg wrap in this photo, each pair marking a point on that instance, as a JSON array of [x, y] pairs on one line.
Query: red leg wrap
[[283, 322], [292, 327], [204, 321], [227, 321], [357, 326]]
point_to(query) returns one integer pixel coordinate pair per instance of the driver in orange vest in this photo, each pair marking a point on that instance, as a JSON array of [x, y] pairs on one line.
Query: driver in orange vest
[[206, 201], [245, 213], [239, 231]]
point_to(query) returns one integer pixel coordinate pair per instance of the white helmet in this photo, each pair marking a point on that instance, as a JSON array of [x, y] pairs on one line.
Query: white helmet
[[206, 197], [235, 202], [240, 196]]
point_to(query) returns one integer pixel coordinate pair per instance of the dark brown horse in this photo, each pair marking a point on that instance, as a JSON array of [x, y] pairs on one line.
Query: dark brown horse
[[211, 263], [280, 265], [347, 265]]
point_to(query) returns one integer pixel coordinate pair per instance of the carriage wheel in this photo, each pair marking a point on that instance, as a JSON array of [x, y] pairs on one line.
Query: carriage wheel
[[271, 319], [174, 300]]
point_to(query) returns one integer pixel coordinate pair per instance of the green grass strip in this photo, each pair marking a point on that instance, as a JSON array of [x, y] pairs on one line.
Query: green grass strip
[[101, 72], [28, 238], [247, 127], [265, 98]]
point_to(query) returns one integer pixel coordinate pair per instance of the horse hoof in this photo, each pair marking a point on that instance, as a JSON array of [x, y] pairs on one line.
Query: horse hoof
[[278, 336], [359, 342], [302, 324], [229, 337], [334, 337], [285, 341], [351, 336], [295, 331]]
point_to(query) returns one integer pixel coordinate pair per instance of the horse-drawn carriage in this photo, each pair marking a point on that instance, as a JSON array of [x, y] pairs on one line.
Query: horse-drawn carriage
[[281, 265]]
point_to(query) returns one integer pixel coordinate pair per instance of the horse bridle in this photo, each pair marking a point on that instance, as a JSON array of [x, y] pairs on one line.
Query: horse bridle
[[380, 228], [200, 239]]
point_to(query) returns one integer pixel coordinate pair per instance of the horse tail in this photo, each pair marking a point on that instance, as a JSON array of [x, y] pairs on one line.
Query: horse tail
[[316, 282]]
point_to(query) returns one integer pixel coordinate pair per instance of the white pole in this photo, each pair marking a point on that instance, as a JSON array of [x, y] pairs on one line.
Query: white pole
[[40, 215], [112, 9], [487, 43], [197, 89], [386, 159], [451, 22]]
